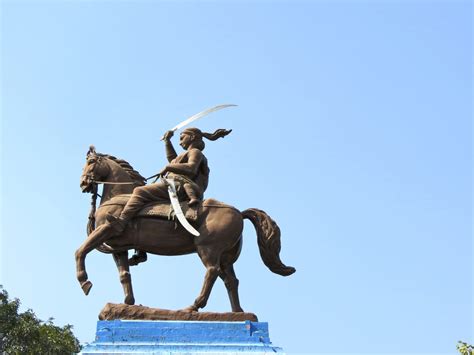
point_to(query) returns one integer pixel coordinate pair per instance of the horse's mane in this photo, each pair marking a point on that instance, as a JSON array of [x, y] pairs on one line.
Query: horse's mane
[[125, 165]]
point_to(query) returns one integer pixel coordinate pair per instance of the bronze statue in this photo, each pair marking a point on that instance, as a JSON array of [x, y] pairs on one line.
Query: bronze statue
[[133, 215], [189, 171]]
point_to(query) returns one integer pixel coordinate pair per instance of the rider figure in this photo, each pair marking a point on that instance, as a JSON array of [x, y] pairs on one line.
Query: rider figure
[[190, 173]]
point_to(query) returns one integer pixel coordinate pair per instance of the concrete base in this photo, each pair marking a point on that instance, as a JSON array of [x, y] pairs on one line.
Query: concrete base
[[181, 337]]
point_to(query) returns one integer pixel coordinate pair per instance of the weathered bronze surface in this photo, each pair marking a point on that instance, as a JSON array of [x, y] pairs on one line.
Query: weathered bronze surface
[[118, 225], [113, 311]]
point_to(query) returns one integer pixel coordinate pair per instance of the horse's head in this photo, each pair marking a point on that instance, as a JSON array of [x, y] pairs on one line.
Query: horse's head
[[96, 169]]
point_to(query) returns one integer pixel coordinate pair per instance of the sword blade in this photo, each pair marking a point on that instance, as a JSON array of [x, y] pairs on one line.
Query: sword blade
[[177, 208], [199, 115]]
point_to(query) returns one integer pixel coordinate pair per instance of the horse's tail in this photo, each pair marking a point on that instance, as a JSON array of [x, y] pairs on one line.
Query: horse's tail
[[268, 234]]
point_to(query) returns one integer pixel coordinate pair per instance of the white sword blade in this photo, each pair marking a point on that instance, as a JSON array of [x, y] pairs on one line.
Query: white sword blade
[[177, 209], [199, 115]]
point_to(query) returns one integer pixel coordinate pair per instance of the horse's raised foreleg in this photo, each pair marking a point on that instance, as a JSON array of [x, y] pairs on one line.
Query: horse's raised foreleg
[[121, 260], [211, 262], [96, 238], [232, 285]]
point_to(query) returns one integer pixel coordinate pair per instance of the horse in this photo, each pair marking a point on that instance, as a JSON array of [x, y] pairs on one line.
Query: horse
[[219, 244]]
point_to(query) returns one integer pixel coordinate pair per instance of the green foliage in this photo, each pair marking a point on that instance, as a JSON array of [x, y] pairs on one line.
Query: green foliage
[[24, 333], [465, 348]]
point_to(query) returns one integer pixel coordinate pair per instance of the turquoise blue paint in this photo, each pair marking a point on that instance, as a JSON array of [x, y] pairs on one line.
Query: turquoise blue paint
[[178, 337]]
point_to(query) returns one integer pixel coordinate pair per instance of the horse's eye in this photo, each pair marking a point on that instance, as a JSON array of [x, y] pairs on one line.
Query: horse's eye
[[91, 161]]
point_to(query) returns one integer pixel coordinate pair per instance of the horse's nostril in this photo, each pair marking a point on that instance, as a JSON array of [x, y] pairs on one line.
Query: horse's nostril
[[85, 184]]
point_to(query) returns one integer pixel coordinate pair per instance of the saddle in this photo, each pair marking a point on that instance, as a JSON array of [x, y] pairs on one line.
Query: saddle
[[157, 209]]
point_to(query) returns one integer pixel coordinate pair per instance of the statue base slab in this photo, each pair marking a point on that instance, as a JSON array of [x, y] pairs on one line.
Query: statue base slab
[[113, 311], [181, 337]]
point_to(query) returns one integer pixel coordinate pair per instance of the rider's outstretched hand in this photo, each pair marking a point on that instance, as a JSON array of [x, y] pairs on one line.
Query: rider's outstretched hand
[[167, 136]]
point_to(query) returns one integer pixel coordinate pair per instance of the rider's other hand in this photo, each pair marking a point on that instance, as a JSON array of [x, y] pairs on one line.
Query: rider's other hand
[[163, 171]]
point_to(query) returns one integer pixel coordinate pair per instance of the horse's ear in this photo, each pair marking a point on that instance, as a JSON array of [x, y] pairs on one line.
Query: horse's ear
[[91, 150]]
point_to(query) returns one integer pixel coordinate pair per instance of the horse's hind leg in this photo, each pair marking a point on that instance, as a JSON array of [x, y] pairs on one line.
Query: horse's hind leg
[[232, 285], [121, 260], [211, 262]]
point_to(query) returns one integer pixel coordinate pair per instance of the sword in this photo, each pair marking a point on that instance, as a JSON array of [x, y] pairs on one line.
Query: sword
[[198, 116], [177, 207], [188, 121]]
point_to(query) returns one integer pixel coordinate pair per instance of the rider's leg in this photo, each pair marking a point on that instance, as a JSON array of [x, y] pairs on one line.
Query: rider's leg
[[140, 197], [192, 194]]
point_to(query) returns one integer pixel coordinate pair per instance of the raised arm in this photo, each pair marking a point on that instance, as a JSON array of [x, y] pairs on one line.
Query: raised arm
[[190, 168], [170, 152]]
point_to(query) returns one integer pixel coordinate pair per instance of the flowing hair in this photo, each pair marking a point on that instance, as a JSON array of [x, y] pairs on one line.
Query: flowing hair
[[199, 135]]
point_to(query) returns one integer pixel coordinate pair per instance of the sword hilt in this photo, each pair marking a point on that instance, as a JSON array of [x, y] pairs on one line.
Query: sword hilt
[[168, 134]]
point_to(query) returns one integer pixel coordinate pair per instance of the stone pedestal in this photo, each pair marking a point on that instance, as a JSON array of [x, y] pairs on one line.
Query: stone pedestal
[[181, 337]]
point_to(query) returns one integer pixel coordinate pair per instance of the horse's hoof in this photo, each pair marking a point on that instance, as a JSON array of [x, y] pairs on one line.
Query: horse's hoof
[[137, 258], [133, 261], [189, 309], [129, 300], [86, 287]]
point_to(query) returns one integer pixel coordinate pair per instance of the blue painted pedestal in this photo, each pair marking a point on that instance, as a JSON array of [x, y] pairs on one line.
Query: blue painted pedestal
[[181, 337]]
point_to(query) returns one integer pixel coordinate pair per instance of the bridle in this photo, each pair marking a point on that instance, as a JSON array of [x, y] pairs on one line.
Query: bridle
[[95, 184], [92, 180]]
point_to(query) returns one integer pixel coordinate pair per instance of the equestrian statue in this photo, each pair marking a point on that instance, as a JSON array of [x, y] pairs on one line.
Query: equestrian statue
[[170, 217]]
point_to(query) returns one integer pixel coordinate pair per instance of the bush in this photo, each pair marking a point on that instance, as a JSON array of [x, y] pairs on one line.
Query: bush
[[24, 333], [465, 348]]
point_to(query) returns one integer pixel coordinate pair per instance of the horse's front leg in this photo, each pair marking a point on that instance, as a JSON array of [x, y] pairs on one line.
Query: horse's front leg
[[121, 260], [95, 239]]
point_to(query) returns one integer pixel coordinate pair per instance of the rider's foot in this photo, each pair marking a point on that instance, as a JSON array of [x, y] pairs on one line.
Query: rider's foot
[[193, 202], [137, 258], [115, 222]]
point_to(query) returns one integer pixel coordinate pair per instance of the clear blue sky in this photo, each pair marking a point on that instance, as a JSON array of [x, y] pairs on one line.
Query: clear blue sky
[[353, 132]]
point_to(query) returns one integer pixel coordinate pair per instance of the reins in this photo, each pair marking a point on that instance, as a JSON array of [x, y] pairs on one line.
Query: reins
[[91, 221], [123, 183], [114, 183], [95, 194]]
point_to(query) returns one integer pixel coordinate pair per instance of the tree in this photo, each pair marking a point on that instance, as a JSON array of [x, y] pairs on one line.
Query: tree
[[24, 333], [465, 348]]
